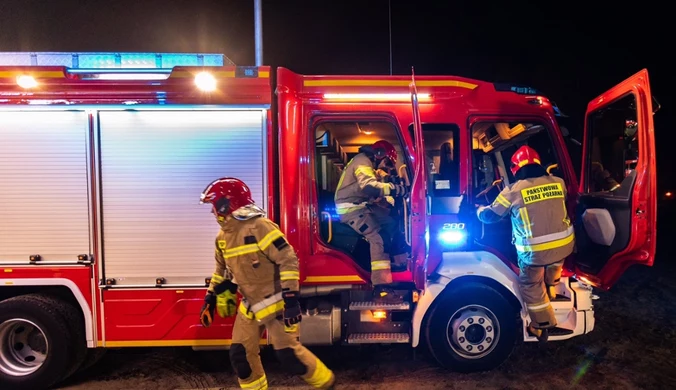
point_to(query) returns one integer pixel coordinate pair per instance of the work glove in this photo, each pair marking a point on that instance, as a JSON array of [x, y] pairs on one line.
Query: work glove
[[398, 190], [207, 312], [226, 298], [292, 313]]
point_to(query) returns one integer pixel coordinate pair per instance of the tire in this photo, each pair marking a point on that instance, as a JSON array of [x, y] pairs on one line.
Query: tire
[[471, 328], [35, 349], [77, 336]]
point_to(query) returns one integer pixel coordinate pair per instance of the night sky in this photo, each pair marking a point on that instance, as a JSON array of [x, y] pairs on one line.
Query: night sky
[[571, 54]]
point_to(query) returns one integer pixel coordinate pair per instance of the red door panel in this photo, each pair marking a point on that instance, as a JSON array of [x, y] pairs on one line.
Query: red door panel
[[617, 204], [418, 197]]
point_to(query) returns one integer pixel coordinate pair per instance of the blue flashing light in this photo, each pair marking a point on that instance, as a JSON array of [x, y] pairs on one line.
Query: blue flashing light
[[453, 234], [96, 60]]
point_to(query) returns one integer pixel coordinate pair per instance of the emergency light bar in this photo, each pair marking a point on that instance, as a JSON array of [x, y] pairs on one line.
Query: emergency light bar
[[97, 60]]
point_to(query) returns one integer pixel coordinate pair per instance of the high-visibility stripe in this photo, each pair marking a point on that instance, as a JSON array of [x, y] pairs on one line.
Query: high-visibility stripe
[[503, 201], [215, 278], [243, 309], [547, 245], [257, 384], [538, 307], [368, 171], [523, 212], [241, 250], [566, 220], [266, 302], [321, 376], [289, 275], [547, 237], [378, 265], [270, 310], [269, 238], [345, 208]]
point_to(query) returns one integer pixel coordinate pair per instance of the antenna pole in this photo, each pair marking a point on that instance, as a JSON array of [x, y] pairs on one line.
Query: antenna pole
[[258, 28], [389, 11]]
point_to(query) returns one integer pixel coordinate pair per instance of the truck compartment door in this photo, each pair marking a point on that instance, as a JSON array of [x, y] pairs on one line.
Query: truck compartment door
[[154, 165], [44, 190], [616, 215]]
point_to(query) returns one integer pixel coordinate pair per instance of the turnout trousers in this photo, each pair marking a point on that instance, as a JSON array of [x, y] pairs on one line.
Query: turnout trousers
[[536, 283], [378, 229], [295, 358]]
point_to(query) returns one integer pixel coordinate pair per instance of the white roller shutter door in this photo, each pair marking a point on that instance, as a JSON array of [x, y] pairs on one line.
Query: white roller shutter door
[[44, 198], [154, 165]]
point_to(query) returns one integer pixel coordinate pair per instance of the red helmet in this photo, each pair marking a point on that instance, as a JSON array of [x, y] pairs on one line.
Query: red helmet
[[523, 156], [226, 194], [383, 149]]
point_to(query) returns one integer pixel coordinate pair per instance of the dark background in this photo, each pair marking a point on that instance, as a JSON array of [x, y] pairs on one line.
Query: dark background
[[571, 52]]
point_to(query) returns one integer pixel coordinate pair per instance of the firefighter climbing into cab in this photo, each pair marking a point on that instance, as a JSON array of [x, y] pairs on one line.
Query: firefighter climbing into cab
[[358, 186], [254, 258], [541, 232]]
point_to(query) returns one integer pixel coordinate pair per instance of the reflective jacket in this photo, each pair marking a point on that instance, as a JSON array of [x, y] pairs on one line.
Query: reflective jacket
[[358, 184], [255, 255], [541, 229]]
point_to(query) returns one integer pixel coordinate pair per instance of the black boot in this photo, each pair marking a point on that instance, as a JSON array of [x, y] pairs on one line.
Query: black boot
[[383, 294]]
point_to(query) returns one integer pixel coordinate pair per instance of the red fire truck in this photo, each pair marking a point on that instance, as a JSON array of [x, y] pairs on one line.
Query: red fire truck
[[103, 243]]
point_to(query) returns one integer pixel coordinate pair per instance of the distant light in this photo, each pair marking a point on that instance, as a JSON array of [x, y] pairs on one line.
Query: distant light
[[668, 194], [205, 81], [26, 81], [374, 96]]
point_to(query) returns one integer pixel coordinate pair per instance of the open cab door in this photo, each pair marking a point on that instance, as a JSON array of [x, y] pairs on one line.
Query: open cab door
[[617, 205], [417, 227]]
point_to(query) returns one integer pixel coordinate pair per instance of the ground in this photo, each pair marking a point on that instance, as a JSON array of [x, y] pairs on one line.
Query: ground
[[632, 347]]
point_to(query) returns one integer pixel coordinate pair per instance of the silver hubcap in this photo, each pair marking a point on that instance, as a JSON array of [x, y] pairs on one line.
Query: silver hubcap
[[473, 331], [23, 347]]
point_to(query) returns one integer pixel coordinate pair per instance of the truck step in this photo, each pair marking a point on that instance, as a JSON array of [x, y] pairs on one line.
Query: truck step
[[559, 332], [378, 338], [561, 298], [369, 305]]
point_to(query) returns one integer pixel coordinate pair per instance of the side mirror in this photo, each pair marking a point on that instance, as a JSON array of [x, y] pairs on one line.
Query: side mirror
[[566, 134], [656, 105]]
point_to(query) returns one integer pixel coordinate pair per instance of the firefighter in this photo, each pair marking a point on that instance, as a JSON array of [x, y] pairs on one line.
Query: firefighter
[[386, 210], [254, 258], [357, 187], [541, 232]]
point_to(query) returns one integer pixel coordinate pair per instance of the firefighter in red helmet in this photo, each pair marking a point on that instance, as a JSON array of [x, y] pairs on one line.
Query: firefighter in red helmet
[[358, 187], [254, 258], [541, 232]]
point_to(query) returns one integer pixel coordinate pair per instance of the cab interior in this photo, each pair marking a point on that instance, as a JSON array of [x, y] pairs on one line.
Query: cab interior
[[493, 144], [336, 143]]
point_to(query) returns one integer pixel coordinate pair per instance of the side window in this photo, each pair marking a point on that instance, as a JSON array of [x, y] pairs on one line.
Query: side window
[[614, 147], [441, 158]]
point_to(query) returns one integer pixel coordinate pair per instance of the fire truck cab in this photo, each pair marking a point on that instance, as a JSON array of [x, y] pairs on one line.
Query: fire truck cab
[[104, 244]]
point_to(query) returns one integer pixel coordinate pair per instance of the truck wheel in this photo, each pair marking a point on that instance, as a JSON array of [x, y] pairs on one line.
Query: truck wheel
[[34, 354], [77, 336], [471, 328]]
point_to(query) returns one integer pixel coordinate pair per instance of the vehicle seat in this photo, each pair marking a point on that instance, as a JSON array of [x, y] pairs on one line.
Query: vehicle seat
[[448, 170]]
